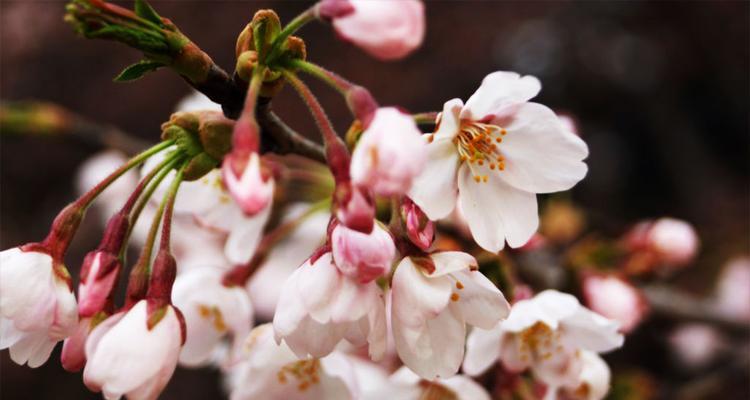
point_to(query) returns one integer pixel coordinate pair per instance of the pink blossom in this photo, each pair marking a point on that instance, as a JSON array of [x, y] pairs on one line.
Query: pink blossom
[[73, 355], [319, 306], [98, 276], [129, 354], [672, 241], [37, 306], [419, 229], [616, 299], [432, 300], [355, 208], [247, 182], [361, 256], [389, 154], [733, 289], [696, 345], [388, 29], [405, 384]]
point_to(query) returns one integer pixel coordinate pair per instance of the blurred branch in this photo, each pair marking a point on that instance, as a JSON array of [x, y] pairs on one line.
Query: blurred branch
[[35, 118], [674, 304], [281, 139]]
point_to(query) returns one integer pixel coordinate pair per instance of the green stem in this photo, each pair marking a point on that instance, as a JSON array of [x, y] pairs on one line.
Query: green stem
[[425, 118], [169, 199], [292, 27], [337, 154], [85, 200], [330, 78], [160, 172]]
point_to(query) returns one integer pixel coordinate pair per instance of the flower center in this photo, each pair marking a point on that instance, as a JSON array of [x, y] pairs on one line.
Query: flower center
[[304, 372], [478, 144], [538, 342], [212, 313]]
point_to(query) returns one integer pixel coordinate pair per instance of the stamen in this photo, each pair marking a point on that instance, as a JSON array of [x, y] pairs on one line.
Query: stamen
[[475, 144]]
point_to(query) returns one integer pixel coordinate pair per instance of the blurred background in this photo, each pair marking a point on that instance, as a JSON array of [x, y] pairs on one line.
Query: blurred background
[[659, 91]]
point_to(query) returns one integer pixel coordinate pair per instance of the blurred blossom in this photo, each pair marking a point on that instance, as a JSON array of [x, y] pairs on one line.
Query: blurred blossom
[[615, 298], [696, 345], [561, 221], [667, 241], [98, 167], [733, 289]]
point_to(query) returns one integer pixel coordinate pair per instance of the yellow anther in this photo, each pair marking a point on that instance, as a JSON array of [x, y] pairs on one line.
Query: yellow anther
[[459, 285], [455, 297]]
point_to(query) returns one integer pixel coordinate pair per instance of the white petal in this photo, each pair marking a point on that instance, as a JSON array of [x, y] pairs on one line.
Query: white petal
[[290, 310], [447, 262], [415, 297], [548, 307], [591, 331], [319, 285], [482, 350], [595, 374], [27, 286], [540, 155], [497, 212], [245, 235], [449, 120], [499, 94], [465, 388], [434, 350], [480, 303], [434, 190]]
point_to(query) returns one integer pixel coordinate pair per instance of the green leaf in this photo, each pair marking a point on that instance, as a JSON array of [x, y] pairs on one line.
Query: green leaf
[[137, 70], [145, 11]]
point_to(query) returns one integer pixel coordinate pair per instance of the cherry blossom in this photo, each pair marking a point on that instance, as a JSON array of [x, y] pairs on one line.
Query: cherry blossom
[[360, 256], [432, 300], [37, 306], [212, 313], [494, 153], [319, 306], [405, 384], [389, 154], [127, 355], [615, 298], [273, 371], [545, 334], [387, 30]]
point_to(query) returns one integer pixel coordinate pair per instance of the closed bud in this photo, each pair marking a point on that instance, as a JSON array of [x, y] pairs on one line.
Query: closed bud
[[419, 229], [250, 185], [354, 207], [98, 278], [266, 27], [362, 256]]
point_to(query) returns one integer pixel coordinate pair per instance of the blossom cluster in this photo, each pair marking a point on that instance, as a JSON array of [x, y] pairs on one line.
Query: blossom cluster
[[366, 273]]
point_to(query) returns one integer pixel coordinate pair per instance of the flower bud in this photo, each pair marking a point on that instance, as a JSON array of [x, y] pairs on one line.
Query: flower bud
[[329, 9], [355, 208], [389, 154], [246, 180], [616, 299], [670, 241], [419, 228], [362, 104], [387, 30], [362, 256], [98, 277]]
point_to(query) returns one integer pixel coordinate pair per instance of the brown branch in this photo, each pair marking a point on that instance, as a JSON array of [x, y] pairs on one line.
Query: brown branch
[[279, 138], [36, 118]]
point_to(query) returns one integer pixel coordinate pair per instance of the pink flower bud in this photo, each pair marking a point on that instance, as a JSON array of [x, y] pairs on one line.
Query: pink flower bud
[[73, 357], [419, 228], [246, 181], [672, 241], [616, 299], [733, 289], [362, 104], [390, 153], [355, 208], [360, 256], [98, 276], [387, 30]]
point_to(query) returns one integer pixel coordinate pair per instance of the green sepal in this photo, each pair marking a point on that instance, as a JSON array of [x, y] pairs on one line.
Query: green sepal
[[145, 11], [266, 27], [137, 70], [198, 167]]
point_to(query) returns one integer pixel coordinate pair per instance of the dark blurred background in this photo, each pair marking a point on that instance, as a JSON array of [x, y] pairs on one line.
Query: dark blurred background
[[659, 92]]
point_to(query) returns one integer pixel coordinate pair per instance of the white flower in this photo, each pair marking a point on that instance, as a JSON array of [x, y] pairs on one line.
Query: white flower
[[212, 312], [208, 202], [615, 298], [319, 306], [127, 357], [432, 300], [265, 285], [37, 307], [494, 154], [389, 154], [593, 380], [546, 334], [272, 371], [406, 385]]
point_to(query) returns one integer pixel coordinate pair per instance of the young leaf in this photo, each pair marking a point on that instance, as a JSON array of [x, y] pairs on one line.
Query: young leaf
[[144, 10], [137, 70]]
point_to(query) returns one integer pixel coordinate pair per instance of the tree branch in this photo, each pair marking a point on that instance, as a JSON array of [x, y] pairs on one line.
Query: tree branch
[[279, 138]]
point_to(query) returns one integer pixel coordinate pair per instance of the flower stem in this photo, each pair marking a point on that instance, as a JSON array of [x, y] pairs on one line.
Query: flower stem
[[85, 200], [337, 154], [293, 26], [169, 199], [330, 78]]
